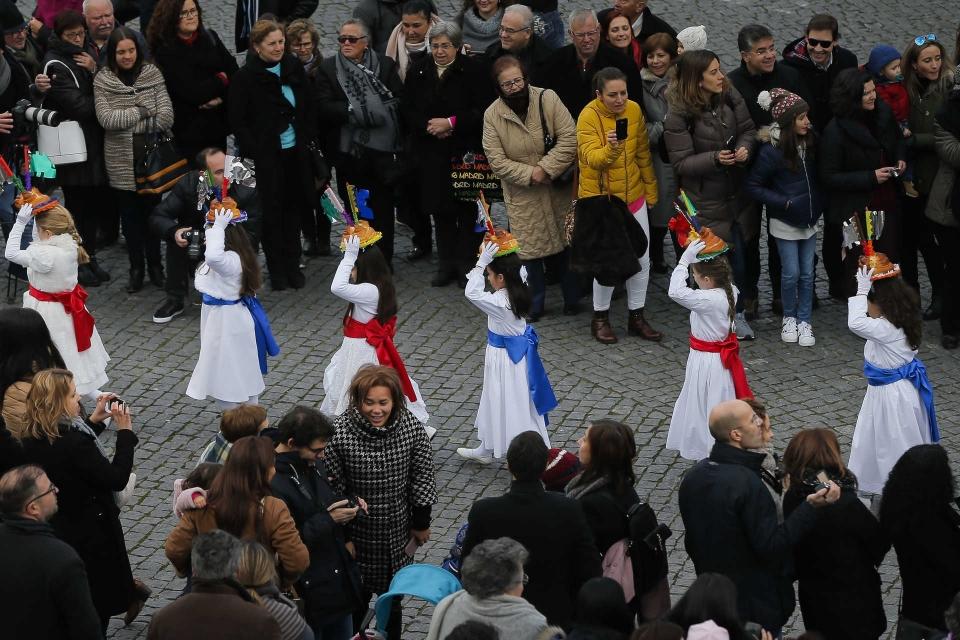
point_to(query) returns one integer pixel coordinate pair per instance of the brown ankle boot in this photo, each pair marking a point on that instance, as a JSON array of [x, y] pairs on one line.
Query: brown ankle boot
[[600, 328], [637, 325]]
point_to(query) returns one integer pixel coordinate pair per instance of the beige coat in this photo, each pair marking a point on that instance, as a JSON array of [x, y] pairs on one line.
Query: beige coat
[[15, 407], [514, 149]]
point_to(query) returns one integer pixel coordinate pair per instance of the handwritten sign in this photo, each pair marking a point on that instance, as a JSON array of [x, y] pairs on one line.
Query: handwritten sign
[[470, 174]]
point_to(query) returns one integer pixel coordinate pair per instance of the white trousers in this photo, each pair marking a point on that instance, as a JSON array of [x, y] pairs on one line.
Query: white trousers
[[636, 284], [233, 405]]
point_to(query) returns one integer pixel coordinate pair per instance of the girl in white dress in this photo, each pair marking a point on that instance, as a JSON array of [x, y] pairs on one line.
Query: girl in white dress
[[714, 372], [368, 326], [897, 411], [51, 261], [516, 393], [235, 336]]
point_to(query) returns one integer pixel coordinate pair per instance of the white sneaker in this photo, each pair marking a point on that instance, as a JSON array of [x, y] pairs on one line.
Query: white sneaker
[[788, 330], [742, 329], [805, 332], [480, 455], [430, 431]]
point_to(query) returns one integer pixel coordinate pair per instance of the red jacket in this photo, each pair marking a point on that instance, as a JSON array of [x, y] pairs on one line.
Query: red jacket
[[895, 95]]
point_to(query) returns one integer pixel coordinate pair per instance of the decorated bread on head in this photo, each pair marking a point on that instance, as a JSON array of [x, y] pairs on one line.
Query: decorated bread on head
[[688, 230], [362, 229], [864, 232], [39, 201], [881, 265], [506, 243], [230, 205]]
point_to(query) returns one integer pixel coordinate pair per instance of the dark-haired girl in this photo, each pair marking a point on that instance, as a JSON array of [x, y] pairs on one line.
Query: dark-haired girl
[[364, 280], [897, 411], [516, 393], [235, 336]]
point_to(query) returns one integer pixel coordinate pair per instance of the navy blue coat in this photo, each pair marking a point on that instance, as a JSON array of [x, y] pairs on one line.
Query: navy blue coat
[[791, 196]]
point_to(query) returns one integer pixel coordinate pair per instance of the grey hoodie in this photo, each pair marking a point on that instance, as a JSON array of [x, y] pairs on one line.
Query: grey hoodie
[[513, 617]]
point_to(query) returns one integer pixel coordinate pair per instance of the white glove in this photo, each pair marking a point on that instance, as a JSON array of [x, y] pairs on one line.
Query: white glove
[[487, 254], [352, 249], [690, 253], [864, 280], [25, 213], [221, 218]]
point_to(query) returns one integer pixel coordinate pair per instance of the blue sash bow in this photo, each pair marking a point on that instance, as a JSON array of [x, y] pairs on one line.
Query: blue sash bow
[[915, 373], [266, 345], [526, 345]]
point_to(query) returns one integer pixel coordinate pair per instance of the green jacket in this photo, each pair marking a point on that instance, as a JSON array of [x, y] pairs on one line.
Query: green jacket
[[923, 110]]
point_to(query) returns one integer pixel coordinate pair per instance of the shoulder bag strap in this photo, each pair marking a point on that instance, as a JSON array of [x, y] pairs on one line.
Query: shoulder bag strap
[[65, 66]]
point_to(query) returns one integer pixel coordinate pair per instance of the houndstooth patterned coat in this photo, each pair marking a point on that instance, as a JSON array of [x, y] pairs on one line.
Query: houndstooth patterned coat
[[392, 469]]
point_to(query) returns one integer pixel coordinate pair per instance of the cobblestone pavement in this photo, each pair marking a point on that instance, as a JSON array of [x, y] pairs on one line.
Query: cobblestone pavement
[[442, 338]]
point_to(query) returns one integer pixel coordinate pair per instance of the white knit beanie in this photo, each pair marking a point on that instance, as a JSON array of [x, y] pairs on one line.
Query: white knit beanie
[[693, 38]]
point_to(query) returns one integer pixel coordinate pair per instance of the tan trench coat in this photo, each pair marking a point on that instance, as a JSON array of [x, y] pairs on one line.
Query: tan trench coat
[[514, 149]]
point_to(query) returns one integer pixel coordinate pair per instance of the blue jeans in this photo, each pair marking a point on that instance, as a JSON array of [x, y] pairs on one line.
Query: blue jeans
[[796, 281], [339, 629], [553, 29]]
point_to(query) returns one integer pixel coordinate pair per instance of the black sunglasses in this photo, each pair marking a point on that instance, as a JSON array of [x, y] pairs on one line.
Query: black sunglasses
[[823, 44], [350, 39]]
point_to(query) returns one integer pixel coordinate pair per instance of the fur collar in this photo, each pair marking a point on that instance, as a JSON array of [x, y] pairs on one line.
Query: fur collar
[[61, 241]]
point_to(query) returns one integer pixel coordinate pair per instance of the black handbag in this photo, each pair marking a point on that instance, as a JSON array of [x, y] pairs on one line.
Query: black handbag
[[319, 165], [549, 142], [161, 166]]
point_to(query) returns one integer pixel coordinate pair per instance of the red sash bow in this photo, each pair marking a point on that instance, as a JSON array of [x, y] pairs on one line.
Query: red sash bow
[[74, 303], [729, 350], [380, 337]]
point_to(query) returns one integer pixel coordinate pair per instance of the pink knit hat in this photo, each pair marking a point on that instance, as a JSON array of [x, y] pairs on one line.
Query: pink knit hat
[[783, 105]]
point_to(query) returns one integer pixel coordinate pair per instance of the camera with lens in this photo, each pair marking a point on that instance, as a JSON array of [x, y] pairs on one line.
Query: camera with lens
[[194, 238], [26, 118]]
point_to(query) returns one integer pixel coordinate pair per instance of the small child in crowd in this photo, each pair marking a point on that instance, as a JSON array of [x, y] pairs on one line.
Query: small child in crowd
[[884, 65], [191, 492], [236, 423]]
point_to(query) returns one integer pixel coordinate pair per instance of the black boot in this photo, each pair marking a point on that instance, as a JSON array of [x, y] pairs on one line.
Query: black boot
[[156, 275], [98, 271], [86, 277], [136, 280], [933, 311]]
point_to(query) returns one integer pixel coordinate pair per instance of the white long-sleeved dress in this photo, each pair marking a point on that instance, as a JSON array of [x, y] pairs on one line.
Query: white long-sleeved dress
[[892, 417], [506, 405], [52, 268], [228, 368], [356, 352], [706, 382]]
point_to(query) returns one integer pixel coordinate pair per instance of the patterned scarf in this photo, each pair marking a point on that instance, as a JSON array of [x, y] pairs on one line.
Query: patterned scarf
[[577, 488], [375, 118]]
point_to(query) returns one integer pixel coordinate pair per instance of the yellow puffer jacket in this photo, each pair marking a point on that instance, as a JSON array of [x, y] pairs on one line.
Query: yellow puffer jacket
[[626, 172]]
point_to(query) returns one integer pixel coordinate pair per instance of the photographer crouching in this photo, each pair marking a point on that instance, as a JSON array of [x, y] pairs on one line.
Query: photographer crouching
[[179, 219]]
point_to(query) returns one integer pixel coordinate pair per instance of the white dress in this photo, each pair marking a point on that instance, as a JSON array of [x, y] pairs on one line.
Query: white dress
[[892, 417], [228, 368], [706, 382], [506, 406], [52, 268], [356, 352]]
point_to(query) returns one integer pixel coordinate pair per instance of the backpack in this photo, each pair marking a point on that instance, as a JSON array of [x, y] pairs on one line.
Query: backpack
[[647, 546]]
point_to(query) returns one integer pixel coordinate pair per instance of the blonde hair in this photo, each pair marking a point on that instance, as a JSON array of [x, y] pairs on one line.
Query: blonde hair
[[47, 404], [256, 568], [57, 220], [263, 28]]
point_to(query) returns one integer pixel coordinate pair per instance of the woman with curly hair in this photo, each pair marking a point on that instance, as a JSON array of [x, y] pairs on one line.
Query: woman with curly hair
[[197, 68], [897, 411], [918, 514]]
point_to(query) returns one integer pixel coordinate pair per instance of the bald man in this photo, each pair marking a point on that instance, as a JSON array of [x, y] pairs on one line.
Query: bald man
[[731, 520]]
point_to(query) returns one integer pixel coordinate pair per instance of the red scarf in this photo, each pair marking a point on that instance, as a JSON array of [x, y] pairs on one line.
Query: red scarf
[[380, 337], [74, 304], [729, 350]]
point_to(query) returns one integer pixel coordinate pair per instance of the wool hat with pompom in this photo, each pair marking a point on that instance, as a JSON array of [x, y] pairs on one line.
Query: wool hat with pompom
[[783, 105]]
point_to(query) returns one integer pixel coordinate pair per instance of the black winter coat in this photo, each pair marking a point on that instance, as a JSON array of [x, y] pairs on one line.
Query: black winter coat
[[17, 89], [190, 70], [552, 527], [566, 75], [606, 513], [850, 153], [818, 81], [836, 563], [462, 92], [88, 518], [284, 11], [750, 86], [75, 103], [532, 57], [179, 208], [791, 196], [724, 499], [44, 593], [11, 454], [651, 25], [331, 584]]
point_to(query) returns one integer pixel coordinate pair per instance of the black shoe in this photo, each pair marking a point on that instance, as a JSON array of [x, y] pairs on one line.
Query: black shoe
[[933, 311], [297, 279], [169, 310], [418, 253], [156, 275], [443, 278], [98, 271], [949, 342], [534, 316], [86, 277], [136, 280], [572, 309], [279, 283]]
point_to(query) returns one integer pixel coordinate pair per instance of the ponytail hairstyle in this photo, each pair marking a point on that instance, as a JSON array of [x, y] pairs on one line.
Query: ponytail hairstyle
[[57, 220], [719, 271], [237, 240], [900, 304], [372, 267], [518, 293]]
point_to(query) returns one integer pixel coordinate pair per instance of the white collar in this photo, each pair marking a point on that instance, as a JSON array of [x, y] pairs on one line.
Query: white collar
[[638, 25]]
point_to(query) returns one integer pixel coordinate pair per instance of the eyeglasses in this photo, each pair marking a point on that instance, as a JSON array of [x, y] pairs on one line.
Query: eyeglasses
[[510, 31], [74, 35], [585, 34], [305, 44], [921, 40], [524, 579], [441, 46], [52, 489], [509, 84], [350, 39], [190, 13], [823, 44]]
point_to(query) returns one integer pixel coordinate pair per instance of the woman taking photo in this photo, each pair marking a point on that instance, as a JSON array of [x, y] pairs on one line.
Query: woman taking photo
[[513, 139], [480, 22], [131, 102], [918, 512], [660, 52], [839, 585], [709, 137], [240, 503], [618, 33], [272, 114], [614, 164], [197, 68], [381, 453], [58, 439], [861, 156], [84, 184]]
